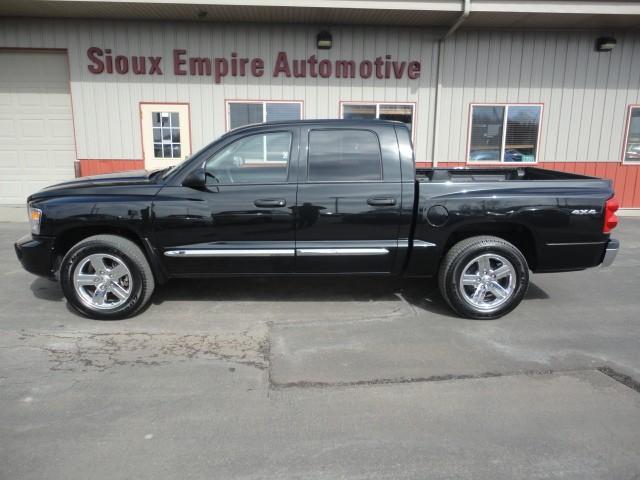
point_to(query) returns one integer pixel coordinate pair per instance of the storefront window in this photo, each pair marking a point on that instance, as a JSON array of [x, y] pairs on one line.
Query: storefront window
[[247, 113], [504, 133], [166, 134], [632, 145], [400, 112], [359, 112]]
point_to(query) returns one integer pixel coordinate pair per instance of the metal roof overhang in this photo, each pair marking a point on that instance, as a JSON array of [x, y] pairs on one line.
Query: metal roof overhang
[[532, 14]]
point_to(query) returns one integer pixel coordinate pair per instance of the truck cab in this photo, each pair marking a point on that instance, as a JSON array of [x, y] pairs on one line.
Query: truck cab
[[304, 198]]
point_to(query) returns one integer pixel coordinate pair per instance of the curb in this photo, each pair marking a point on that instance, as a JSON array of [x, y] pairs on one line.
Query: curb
[[628, 212], [13, 213]]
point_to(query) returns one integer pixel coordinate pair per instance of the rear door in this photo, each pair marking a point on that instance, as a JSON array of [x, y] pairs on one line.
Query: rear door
[[349, 200]]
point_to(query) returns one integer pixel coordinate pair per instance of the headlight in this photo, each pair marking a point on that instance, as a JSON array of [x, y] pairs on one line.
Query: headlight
[[35, 215]]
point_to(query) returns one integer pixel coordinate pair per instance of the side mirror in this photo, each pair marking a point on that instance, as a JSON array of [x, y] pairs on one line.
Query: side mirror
[[196, 179]]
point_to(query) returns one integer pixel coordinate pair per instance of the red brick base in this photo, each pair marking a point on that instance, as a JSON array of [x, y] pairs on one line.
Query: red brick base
[[96, 167]]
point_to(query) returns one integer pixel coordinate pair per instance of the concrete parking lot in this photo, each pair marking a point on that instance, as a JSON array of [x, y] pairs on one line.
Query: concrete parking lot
[[323, 379]]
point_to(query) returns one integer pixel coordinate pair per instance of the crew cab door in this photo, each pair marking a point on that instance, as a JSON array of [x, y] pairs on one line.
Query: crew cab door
[[242, 219], [349, 200]]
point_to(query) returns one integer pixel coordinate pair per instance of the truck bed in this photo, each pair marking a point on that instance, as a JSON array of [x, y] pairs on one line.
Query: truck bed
[[502, 174]]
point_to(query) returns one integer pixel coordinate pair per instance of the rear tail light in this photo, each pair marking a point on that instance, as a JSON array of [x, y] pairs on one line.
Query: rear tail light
[[610, 219]]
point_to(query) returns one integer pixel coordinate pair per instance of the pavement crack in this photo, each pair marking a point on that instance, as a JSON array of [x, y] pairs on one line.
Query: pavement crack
[[405, 380], [621, 378]]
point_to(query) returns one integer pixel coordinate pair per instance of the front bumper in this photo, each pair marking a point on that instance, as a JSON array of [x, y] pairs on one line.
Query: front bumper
[[610, 252], [36, 255]]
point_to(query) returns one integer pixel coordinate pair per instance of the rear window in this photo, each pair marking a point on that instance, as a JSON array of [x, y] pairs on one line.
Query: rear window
[[344, 155]]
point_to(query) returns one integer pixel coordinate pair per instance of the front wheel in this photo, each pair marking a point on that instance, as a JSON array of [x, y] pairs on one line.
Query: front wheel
[[483, 277], [106, 277]]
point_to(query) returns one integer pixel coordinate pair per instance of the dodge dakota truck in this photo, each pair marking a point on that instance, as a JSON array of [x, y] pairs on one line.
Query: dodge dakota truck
[[317, 197]]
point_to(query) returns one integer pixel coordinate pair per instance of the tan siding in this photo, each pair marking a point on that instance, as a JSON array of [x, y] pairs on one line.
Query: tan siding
[[106, 106], [585, 93]]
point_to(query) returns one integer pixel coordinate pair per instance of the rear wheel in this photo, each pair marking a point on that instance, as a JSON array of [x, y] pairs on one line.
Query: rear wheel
[[483, 277], [106, 277]]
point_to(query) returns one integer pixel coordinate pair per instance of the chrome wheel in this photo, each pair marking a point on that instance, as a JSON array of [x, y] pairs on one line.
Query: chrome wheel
[[102, 281], [488, 281]]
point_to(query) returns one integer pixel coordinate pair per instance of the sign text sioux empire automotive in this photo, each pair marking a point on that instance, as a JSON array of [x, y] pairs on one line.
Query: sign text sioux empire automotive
[[104, 61]]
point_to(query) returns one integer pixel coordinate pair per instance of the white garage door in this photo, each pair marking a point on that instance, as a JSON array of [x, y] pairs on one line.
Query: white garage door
[[36, 127]]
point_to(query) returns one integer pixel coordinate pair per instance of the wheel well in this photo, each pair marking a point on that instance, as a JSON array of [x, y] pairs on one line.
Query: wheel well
[[69, 238], [519, 235]]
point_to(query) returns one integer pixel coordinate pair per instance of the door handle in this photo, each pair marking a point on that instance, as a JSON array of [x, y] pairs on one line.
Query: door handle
[[381, 201], [270, 202]]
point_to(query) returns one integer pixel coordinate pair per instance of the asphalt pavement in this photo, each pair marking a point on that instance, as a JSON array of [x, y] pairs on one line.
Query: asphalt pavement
[[323, 379]]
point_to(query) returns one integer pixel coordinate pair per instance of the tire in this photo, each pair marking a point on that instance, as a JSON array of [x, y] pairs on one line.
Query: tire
[[476, 295], [106, 277]]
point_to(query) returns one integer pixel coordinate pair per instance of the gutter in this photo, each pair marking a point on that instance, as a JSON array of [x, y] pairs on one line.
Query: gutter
[[466, 11]]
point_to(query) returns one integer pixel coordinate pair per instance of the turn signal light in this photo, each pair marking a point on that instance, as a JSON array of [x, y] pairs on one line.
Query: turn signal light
[[610, 218], [35, 215]]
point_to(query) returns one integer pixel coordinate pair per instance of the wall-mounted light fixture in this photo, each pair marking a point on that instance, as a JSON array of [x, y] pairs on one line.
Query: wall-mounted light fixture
[[605, 44], [324, 40]]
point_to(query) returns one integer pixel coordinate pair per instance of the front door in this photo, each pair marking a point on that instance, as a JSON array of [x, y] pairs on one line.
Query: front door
[[243, 221], [349, 201]]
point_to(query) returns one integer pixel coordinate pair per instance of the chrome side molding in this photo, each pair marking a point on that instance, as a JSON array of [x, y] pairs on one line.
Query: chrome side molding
[[346, 249], [227, 252], [313, 252], [573, 244], [274, 252], [422, 244]]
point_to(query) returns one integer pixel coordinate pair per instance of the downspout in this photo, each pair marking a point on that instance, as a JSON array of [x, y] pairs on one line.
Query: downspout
[[466, 11]]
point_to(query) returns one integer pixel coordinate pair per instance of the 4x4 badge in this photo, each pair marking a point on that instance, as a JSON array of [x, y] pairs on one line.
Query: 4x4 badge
[[585, 211]]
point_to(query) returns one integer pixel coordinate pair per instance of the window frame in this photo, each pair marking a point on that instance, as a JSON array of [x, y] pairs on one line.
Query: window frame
[[228, 102], [287, 179], [171, 128], [413, 105], [309, 181], [506, 106], [146, 132], [625, 138]]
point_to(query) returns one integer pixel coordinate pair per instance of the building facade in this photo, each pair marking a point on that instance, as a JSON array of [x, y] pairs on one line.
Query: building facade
[[83, 96]]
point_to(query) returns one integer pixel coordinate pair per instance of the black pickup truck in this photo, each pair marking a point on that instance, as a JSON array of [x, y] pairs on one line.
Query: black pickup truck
[[317, 197]]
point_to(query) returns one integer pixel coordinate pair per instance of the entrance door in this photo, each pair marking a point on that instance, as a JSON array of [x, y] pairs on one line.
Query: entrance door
[[348, 212], [166, 139], [243, 221]]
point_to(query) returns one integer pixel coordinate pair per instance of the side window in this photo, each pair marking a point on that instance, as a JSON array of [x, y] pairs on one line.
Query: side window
[[344, 155], [259, 158], [632, 143], [504, 133]]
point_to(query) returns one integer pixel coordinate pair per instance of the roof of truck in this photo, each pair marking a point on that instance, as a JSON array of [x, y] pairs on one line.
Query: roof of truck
[[327, 121]]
